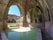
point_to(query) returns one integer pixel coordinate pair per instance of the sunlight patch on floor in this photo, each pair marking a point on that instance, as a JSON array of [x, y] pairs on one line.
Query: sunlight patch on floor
[[22, 29]]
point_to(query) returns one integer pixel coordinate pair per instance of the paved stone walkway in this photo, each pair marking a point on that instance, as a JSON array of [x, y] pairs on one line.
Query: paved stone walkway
[[3, 36], [0, 37], [39, 34]]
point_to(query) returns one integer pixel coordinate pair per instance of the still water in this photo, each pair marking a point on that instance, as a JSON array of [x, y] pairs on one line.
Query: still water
[[30, 35]]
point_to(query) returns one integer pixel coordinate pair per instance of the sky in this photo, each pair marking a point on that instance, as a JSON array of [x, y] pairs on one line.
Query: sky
[[14, 9]]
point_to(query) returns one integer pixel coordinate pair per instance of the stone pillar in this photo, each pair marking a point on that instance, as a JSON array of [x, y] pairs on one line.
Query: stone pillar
[[28, 19], [5, 21], [25, 23], [5, 24]]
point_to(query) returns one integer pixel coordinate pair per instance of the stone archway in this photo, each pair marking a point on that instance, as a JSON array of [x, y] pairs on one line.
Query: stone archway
[[41, 7], [6, 11]]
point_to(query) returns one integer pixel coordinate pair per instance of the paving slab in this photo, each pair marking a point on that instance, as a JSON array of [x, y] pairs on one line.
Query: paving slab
[[3, 36]]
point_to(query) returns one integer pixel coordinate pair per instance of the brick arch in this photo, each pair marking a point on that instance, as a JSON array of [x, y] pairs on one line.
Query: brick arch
[[7, 9], [39, 7], [14, 3]]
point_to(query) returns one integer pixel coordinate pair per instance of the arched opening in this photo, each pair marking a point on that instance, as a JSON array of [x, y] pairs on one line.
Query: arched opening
[[14, 10], [13, 15], [48, 14], [39, 15], [13, 24]]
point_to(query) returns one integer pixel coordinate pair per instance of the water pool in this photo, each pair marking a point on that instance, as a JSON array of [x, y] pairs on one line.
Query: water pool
[[30, 35]]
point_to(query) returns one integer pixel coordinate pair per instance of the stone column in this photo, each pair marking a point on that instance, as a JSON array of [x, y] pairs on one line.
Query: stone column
[[25, 23], [5, 21], [1, 23]]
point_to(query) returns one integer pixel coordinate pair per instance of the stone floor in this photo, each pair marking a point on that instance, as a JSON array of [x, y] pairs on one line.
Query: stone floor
[[3, 36], [0, 36]]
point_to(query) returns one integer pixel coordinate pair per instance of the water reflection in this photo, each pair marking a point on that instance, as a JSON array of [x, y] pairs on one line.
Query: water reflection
[[30, 35]]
